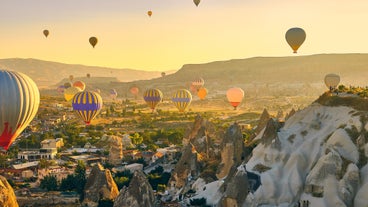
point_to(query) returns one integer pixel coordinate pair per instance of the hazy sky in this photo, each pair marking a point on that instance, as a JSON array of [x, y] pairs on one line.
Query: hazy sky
[[178, 32]]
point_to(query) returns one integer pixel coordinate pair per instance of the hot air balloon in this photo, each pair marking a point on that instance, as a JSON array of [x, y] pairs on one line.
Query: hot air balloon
[[332, 80], [295, 38], [67, 85], [19, 103], [46, 32], [87, 104], [88, 75], [196, 2], [71, 77], [202, 93], [163, 74], [182, 99], [113, 94], [60, 89], [93, 41], [235, 96], [152, 97], [79, 84], [134, 90], [97, 90], [149, 13], [70, 92], [198, 83]]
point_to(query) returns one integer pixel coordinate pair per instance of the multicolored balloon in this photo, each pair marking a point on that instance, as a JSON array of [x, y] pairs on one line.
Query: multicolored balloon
[[332, 81], [198, 83], [113, 94], [87, 104], [235, 96], [19, 101], [79, 84], [295, 38], [70, 92], [61, 89], [182, 99], [202, 93], [152, 97]]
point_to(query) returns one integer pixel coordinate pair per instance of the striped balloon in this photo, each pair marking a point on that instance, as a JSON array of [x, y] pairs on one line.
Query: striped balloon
[[198, 83], [87, 104], [152, 97], [19, 101], [182, 99]]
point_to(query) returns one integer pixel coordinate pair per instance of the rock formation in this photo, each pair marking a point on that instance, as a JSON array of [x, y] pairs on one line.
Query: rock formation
[[100, 186], [115, 150], [270, 136], [197, 147], [139, 193], [7, 196], [232, 149], [263, 121]]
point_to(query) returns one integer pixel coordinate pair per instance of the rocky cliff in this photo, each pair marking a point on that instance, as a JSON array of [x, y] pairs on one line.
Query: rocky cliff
[[139, 193], [7, 196], [100, 186], [232, 149]]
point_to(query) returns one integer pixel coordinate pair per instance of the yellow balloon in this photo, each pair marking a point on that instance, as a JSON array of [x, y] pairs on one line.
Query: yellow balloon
[[295, 38], [70, 92], [332, 81], [149, 13], [196, 2]]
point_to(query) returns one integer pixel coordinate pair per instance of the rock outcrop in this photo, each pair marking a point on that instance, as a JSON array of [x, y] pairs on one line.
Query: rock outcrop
[[116, 150], [236, 189], [270, 136], [265, 117], [197, 147], [232, 149], [100, 186], [7, 196], [139, 193]]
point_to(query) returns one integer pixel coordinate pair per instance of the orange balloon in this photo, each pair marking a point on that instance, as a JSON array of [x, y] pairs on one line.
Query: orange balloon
[[149, 13], [202, 93], [235, 96]]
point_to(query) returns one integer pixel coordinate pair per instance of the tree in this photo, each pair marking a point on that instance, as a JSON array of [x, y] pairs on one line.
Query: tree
[[80, 178], [44, 163], [49, 183], [68, 183], [137, 139]]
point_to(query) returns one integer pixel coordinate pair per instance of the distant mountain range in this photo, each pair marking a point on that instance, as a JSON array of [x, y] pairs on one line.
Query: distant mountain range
[[269, 72], [46, 73]]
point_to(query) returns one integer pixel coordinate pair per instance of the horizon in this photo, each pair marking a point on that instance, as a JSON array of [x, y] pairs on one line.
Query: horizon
[[177, 33]]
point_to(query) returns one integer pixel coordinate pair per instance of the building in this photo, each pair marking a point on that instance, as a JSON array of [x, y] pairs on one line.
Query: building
[[132, 168], [33, 155], [57, 171], [52, 143]]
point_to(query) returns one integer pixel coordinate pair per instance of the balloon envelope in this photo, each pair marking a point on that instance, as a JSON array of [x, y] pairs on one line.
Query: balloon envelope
[[134, 90], [46, 32], [182, 99], [113, 94], [79, 84], [93, 41], [198, 83], [149, 13], [295, 38], [152, 97], [60, 89], [70, 92], [235, 96], [71, 77], [19, 103], [67, 85], [87, 104], [202, 93], [332, 81], [196, 2]]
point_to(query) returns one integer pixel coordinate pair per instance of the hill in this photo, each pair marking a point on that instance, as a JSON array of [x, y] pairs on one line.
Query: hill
[[47, 73]]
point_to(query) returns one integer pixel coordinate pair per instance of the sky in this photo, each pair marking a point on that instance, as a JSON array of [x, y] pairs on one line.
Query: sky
[[178, 32]]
